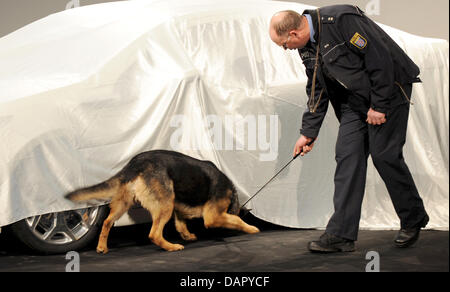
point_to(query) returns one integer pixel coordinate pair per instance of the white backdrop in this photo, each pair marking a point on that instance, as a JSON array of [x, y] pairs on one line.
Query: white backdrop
[[84, 90]]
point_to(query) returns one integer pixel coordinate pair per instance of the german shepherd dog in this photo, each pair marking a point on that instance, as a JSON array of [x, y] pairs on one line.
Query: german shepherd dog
[[166, 183]]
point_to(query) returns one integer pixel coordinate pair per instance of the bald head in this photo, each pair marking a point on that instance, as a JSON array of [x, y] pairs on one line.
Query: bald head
[[284, 21], [288, 23]]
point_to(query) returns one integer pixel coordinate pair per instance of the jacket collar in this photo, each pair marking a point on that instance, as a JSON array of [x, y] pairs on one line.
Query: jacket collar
[[315, 23]]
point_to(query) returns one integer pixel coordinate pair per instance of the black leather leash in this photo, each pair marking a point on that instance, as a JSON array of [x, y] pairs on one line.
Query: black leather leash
[[246, 211]]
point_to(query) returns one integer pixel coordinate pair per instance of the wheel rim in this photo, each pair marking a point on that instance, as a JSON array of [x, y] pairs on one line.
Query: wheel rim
[[63, 227]]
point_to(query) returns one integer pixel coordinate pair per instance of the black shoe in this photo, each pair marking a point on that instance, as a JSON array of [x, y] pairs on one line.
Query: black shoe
[[408, 236], [329, 243]]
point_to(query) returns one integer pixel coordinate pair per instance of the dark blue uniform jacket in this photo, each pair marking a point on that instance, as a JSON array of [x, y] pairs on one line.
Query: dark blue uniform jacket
[[357, 56]]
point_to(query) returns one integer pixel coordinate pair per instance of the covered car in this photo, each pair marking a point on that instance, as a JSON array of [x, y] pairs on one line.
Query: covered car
[[84, 90]]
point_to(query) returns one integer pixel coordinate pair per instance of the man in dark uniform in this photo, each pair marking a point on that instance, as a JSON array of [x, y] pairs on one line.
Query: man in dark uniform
[[353, 64]]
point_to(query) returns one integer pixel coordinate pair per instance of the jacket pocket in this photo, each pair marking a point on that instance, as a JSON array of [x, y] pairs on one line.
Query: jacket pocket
[[340, 56], [346, 68]]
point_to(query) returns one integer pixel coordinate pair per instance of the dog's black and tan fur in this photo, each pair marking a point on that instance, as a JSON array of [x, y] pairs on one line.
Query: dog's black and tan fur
[[166, 183]]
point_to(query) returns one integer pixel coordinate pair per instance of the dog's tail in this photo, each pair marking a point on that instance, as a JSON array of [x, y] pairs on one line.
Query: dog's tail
[[102, 191]]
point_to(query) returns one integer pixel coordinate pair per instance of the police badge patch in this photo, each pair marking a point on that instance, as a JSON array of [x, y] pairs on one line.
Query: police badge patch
[[359, 41]]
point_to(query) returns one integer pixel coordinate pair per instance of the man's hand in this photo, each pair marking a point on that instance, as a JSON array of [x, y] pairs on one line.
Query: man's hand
[[375, 118], [302, 144]]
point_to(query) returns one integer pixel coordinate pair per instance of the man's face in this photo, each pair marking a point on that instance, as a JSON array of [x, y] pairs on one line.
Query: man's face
[[292, 41]]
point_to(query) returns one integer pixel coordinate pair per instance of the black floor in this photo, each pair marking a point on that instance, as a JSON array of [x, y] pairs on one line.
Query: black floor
[[274, 249]]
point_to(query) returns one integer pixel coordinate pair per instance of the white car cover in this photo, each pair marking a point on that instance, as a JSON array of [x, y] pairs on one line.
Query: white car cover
[[84, 90]]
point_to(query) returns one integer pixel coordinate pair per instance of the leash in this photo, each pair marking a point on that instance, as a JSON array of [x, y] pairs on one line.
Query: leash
[[246, 211], [312, 103]]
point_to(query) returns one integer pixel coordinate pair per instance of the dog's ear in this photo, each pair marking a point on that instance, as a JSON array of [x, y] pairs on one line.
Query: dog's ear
[[233, 208]]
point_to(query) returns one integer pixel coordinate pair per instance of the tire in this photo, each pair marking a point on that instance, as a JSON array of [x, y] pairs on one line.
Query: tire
[[60, 232]]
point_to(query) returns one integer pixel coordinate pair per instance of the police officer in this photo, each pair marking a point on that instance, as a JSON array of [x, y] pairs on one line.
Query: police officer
[[354, 65]]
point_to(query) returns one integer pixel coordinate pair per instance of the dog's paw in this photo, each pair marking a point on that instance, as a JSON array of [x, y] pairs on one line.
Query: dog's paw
[[102, 250], [189, 237], [253, 229], [178, 247], [175, 247]]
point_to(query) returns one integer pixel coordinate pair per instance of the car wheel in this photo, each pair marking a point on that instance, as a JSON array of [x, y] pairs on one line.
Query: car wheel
[[60, 232]]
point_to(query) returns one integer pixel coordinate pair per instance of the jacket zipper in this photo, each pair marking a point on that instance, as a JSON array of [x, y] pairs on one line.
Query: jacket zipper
[[404, 93], [342, 83]]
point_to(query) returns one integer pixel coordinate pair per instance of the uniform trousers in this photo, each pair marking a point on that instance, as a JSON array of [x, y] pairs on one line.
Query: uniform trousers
[[356, 140]]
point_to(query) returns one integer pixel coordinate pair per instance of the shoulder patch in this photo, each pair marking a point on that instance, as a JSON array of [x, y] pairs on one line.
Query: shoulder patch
[[358, 41]]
